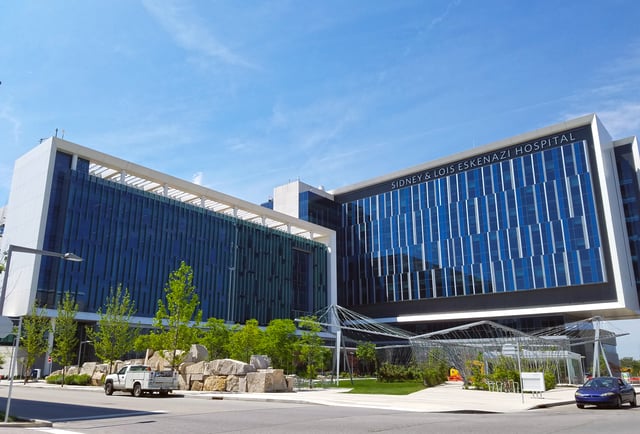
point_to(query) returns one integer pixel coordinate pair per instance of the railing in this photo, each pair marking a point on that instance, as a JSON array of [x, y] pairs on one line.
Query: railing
[[508, 386]]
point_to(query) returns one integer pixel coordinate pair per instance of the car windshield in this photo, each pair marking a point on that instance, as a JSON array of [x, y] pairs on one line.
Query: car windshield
[[600, 382]]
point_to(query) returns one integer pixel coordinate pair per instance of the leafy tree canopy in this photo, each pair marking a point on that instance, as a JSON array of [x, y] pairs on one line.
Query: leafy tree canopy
[[114, 335]]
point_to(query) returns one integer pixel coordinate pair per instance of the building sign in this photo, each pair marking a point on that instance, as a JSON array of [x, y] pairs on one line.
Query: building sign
[[477, 161]]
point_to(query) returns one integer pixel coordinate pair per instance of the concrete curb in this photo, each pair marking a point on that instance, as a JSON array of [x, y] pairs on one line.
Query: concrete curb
[[28, 423]]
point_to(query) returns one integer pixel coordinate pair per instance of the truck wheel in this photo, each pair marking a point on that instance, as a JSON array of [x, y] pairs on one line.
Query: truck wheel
[[137, 390], [108, 389]]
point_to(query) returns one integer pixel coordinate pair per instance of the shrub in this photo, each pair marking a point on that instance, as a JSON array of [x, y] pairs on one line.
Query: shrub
[[434, 375], [73, 379], [549, 380]]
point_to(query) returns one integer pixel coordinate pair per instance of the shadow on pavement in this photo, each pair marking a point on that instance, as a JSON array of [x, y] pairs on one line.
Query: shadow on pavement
[[60, 412]]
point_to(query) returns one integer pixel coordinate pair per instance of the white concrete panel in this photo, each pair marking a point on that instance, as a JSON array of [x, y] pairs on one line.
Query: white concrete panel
[[286, 198], [614, 220], [27, 208]]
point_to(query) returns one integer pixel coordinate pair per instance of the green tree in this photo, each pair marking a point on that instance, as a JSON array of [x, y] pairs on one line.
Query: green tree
[[245, 341], [65, 340], [113, 335], [366, 353], [214, 335], [628, 364], [278, 343], [310, 347], [177, 320], [33, 339]]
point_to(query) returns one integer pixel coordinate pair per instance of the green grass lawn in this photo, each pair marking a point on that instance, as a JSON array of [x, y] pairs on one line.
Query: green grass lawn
[[373, 386]]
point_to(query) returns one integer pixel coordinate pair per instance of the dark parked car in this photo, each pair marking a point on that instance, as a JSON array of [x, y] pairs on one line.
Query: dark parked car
[[606, 391]]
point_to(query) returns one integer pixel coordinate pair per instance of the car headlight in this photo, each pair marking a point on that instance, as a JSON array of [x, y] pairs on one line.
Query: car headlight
[[579, 394], [608, 394]]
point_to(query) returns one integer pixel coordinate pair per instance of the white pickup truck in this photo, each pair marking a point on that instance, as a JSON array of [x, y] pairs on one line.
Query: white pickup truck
[[140, 379]]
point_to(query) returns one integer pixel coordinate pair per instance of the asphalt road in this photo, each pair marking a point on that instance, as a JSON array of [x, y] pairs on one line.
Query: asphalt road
[[91, 412]]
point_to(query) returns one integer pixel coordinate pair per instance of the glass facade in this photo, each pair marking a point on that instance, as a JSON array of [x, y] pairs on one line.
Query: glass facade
[[135, 239], [524, 223], [630, 192], [319, 210]]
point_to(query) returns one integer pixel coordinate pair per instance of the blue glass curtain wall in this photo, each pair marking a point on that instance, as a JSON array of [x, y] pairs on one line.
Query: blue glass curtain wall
[[630, 192], [135, 239], [522, 224], [319, 210]]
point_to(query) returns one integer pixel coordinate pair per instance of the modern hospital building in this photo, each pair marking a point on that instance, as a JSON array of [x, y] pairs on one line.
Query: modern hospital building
[[533, 231]]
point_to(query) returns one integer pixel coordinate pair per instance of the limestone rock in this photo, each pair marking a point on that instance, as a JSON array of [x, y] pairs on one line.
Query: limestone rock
[[197, 353], [216, 383], [196, 377], [291, 382], [196, 386], [194, 368], [230, 367], [183, 382], [232, 383], [158, 363], [260, 361], [271, 380], [97, 379], [242, 384], [88, 368]]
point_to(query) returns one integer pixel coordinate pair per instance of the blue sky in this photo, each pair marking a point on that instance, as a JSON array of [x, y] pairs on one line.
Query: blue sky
[[244, 96]]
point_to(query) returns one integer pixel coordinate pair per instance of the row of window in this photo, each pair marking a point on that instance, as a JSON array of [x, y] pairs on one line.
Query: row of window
[[135, 239], [527, 223], [542, 179]]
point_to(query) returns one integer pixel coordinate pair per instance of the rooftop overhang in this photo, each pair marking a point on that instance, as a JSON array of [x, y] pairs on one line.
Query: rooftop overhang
[[148, 180]]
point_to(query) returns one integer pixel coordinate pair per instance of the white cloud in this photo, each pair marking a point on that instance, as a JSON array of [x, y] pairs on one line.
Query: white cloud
[[197, 178], [622, 120], [189, 33], [614, 96], [440, 18]]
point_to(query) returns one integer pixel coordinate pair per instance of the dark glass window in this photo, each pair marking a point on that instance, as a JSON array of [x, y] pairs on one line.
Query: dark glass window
[[521, 224], [134, 238]]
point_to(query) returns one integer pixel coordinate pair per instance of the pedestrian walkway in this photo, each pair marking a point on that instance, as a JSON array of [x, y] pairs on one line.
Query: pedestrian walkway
[[449, 397]]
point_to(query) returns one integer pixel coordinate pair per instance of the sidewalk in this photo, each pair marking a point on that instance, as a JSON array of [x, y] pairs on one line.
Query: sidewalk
[[449, 397]]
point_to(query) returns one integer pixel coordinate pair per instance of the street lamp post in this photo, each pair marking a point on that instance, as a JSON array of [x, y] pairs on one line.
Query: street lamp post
[[16, 347], [80, 352], [19, 249]]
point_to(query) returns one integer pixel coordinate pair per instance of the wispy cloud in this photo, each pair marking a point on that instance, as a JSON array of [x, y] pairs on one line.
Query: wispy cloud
[[134, 142], [440, 18], [191, 34], [317, 124], [197, 178], [614, 98], [6, 115], [622, 120]]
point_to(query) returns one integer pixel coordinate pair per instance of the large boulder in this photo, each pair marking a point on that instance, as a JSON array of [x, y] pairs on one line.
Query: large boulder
[[192, 368], [233, 382], [158, 363], [183, 382], [197, 353], [97, 379], [260, 361], [291, 382], [230, 367], [88, 368], [271, 380], [215, 383]]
